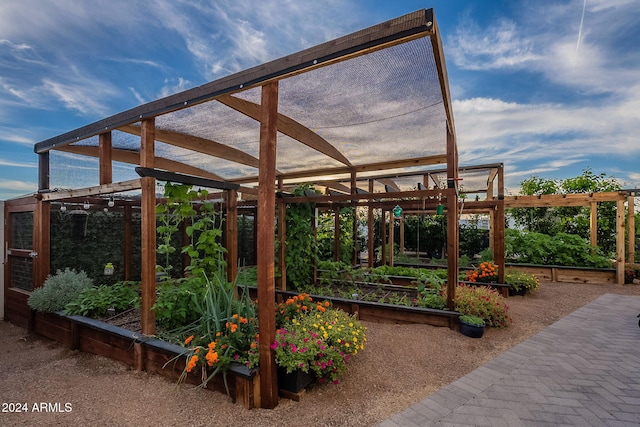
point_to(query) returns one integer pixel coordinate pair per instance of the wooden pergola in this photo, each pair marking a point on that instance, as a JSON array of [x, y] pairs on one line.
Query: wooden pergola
[[339, 110]]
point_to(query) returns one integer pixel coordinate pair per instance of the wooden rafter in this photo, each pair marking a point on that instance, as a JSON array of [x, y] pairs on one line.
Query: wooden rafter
[[111, 188], [287, 126], [369, 167], [133, 157], [562, 199], [201, 145]]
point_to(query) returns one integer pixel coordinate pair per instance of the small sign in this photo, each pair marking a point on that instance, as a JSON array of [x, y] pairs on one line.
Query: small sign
[[397, 212]]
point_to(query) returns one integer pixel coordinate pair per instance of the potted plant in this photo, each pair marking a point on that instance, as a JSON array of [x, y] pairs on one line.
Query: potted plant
[[520, 282], [471, 326], [316, 342]]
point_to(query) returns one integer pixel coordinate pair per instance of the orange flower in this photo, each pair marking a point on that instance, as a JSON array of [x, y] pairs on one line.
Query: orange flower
[[212, 357], [192, 363], [211, 345], [188, 340]]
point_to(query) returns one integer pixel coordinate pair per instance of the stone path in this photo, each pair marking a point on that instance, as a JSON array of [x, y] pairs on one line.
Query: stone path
[[583, 370]]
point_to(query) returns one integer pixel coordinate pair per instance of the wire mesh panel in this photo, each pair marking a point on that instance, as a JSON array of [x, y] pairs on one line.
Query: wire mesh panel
[[21, 273]]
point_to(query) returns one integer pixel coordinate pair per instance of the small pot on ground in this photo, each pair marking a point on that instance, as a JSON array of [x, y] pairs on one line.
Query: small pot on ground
[[472, 326]]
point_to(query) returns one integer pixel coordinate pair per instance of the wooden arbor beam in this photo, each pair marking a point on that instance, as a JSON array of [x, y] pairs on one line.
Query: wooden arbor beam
[[201, 145], [265, 244], [106, 157], [287, 126], [133, 158]]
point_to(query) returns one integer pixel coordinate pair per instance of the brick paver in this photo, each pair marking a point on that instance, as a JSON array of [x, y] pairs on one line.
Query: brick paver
[[583, 370]]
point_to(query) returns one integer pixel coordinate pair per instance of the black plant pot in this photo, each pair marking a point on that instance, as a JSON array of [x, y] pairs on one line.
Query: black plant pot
[[472, 331], [294, 381], [520, 292]]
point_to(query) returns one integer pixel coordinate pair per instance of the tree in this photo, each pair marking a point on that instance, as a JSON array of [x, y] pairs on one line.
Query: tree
[[571, 220]]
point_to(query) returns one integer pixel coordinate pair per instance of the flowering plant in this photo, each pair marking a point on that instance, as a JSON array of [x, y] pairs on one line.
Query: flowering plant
[[226, 332], [483, 302], [519, 280], [486, 272], [321, 339]]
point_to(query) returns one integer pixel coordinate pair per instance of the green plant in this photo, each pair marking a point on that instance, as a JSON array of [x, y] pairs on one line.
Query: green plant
[[59, 290], [96, 301], [483, 302], [561, 249], [225, 332], [175, 299], [471, 320], [519, 280], [300, 243], [323, 342]]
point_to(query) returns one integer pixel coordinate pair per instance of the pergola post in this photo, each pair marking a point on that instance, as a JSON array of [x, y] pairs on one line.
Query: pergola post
[[631, 224], [370, 239], [231, 234], [265, 244], [498, 249], [452, 218], [282, 239], [620, 242], [392, 226], [105, 158], [148, 209], [593, 224]]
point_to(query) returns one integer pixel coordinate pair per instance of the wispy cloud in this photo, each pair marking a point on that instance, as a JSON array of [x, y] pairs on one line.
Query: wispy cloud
[[18, 187], [12, 163]]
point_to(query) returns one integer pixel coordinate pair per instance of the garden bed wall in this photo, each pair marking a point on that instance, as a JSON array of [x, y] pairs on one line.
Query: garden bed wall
[[140, 352], [555, 273], [386, 313], [551, 273]]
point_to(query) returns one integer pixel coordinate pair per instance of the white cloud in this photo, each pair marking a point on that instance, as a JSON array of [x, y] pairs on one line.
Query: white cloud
[[15, 164], [18, 186]]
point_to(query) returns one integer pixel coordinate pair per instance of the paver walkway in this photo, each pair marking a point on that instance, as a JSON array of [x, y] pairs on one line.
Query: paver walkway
[[583, 370]]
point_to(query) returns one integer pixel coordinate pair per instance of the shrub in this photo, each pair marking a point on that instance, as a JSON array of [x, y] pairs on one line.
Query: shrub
[[471, 320], [59, 290], [95, 302], [483, 302], [174, 302], [519, 280]]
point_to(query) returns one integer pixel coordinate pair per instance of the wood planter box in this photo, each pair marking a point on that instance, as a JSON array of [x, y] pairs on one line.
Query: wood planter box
[[385, 313], [141, 353], [558, 273]]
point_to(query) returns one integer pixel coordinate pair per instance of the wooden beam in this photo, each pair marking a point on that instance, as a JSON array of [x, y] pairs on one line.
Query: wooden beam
[[266, 213], [185, 179], [43, 171], [133, 158], [546, 200], [631, 227], [282, 240], [201, 145], [345, 170], [620, 242], [231, 234], [287, 126], [593, 224], [42, 242], [127, 252], [370, 240], [499, 234], [148, 202], [115, 187], [106, 157], [451, 194], [389, 184]]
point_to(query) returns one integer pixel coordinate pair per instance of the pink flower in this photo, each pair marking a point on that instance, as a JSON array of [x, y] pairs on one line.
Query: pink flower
[[294, 348], [274, 345]]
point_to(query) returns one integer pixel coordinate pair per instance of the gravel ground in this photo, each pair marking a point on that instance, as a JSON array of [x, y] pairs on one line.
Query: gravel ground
[[400, 365]]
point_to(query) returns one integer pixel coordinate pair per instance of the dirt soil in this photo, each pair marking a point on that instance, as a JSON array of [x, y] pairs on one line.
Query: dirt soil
[[400, 365]]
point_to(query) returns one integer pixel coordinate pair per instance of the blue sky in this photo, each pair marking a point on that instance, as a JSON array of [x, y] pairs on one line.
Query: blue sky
[[548, 87]]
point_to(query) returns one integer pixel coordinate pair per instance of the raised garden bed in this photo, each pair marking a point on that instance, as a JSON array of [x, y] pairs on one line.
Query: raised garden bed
[[141, 353]]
